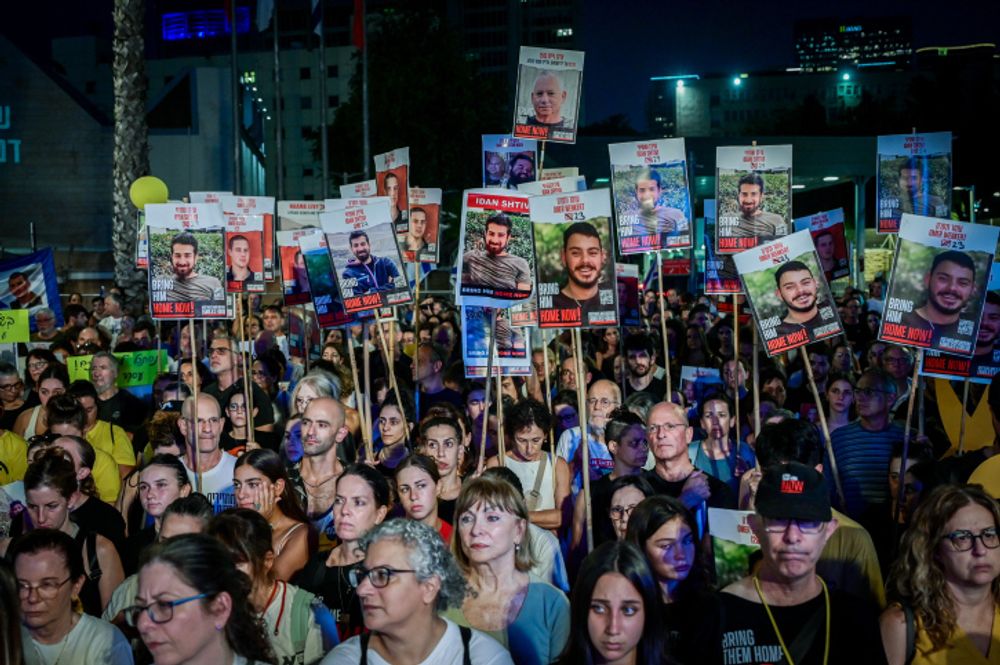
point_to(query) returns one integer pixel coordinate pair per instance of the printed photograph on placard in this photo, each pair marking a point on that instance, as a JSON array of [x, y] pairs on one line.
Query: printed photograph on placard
[[651, 197], [985, 361], [508, 161], [359, 189], [576, 271], [721, 277], [827, 229], [326, 300], [244, 253], [548, 94], [789, 297], [496, 250], [187, 260], [554, 186], [511, 355], [293, 215], [627, 276], [366, 260], [294, 277], [524, 314], [753, 194], [939, 280], [698, 382], [392, 178], [264, 207], [914, 177], [420, 244]]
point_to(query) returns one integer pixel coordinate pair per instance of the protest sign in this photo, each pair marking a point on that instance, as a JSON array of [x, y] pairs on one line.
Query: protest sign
[[29, 282], [187, 260], [733, 543], [753, 194], [985, 361], [697, 382], [573, 251], [256, 205], [141, 241], [524, 314], [495, 249], [627, 277], [511, 352], [294, 215], [14, 326], [554, 186], [359, 189], [326, 298], [788, 294], [914, 177], [827, 230], [136, 368], [939, 277], [420, 243], [392, 177], [294, 278], [244, 250], [365, 256], [548, 94], [508, 161], [559, 172], [721, 277], [207, 197], [652, 202]]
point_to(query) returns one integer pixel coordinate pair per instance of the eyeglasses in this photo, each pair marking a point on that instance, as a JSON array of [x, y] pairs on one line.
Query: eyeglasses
[[604, 402], [48, 437], [775, 525], [964, 540], [653, 430], [380, 576], [621, 513], [161, 611], [41, 364], [11, 386], [233, 406], [868, 393], [46, 590]]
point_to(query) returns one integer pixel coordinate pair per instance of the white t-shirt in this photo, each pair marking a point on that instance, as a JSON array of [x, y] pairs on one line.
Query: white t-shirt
[[483, 650], [92, 641], [217, 484], [122, 597]]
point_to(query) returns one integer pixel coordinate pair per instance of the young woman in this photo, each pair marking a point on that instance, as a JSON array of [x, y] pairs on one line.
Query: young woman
[[163, 480], [51, 381], [947, 581], [361, 502], [193, 606], [626, 492], [615, 610], [38, 361], [840, 397], [287, 611], [395, 426], [417, 481], [441, 439], [842, 360], [261, 484]]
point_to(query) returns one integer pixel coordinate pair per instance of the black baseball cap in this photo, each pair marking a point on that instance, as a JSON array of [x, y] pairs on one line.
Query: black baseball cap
[[793, 491]]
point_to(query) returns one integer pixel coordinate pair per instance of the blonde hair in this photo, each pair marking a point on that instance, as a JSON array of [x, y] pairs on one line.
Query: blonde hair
[[496, 493]]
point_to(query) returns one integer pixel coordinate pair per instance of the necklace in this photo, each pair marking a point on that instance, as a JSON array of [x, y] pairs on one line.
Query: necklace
[[320, 483], [65, 640], [774, 624]]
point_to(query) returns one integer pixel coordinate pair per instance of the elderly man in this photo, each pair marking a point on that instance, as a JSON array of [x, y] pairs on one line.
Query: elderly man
[[603, 397], [115, 405], [209, 468], [547, 98], [225, 366]]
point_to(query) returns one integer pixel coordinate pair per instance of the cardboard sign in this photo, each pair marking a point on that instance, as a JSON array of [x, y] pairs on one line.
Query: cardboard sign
[[914, 177], [511, 356], [753, 193], [137, 368], [827, 229], [420, 243], [14, 326], [508, 161], [363, 188], [547, 105], [326, 298], [392, 178], [721, 277]]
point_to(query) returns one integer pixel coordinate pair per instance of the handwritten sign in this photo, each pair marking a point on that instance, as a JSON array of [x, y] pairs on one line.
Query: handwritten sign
[[14, 326], [138, 368]]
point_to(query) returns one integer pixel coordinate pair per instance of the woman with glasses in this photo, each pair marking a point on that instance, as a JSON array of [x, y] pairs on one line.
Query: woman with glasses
[[441, 439], [627, 492], [492, 546], [50, 573], [360, 503], [51, 381], [395, 426], [12, 401], [193, 606], [38, 361], [161, 481], [407, 579], [417, 480], [50, 484], [293, 616], [666, 532], [234, 439], [946, 582], [544, 477], [260, 481], [840, 398]]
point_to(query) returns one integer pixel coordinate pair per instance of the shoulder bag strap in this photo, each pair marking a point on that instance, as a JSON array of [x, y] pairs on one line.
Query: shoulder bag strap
[[911, 633]]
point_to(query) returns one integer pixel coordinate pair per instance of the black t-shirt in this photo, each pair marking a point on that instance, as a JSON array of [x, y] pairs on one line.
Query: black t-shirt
[[444, 395], [137, 541], [95, 515], [332, 584], [720, 494], [123, 409], [261, 402], [657, 388], [600, 504], [691, 621], [9, 417], [747, 636]]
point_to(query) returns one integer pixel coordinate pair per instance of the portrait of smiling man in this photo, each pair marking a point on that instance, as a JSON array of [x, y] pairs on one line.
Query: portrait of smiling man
[[799, 290], [949, 286], [585, 258]]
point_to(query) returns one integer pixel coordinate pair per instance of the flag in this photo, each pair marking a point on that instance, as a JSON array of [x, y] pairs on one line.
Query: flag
[[358, 27], [317, 17], [265, 11]]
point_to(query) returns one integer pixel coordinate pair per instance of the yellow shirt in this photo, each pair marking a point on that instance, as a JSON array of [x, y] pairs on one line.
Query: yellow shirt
[[849, 562], [960, 649], [13, 457], [113, 440], [106, 477]]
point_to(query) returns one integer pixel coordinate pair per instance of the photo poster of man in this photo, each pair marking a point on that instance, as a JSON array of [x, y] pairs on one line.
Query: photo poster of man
[[699, 382], [325, 296], [547, 105], [496, 249], [575, 260], [187, 260], [652, 200], [939, 281], [294, 215], [753, 192], [359, 189], [558, 172], [511, 357], [294, 277], [627, 277], [244, 253], [366, 261], [721, 277], [420, 244], [256, 205], [524, 314], [913, 177], [788, 294], [555, 186], [985, 361], [392, 177], [827, 229], [30, 282], [508, 161]]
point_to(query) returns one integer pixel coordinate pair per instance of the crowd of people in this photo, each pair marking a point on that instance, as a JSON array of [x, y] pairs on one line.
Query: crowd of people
[[257, 506]]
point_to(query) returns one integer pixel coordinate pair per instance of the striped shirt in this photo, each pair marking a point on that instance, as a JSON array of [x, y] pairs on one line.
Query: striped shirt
[[196, 289], [863, 465], [499, 272], [766, 224]]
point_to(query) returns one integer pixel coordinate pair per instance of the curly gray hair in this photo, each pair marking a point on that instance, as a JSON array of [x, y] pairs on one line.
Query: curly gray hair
[[428, 556]]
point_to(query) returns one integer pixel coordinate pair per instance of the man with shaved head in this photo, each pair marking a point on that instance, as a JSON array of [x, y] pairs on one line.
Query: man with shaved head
[[314, 477], [202, 454], [603, 397], [669, 434]]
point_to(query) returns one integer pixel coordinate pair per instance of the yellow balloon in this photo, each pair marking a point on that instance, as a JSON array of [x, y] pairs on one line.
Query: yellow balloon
[[147, 189]]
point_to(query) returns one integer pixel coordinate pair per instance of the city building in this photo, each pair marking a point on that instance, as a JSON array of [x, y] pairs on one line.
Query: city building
[[831, 44]]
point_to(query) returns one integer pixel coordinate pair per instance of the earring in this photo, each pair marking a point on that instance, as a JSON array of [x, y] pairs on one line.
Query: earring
[[517, 547], [218, 628]]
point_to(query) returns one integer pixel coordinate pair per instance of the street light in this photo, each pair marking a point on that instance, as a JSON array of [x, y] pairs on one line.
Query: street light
[[845, 76], [680, 84], [737, 81]]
